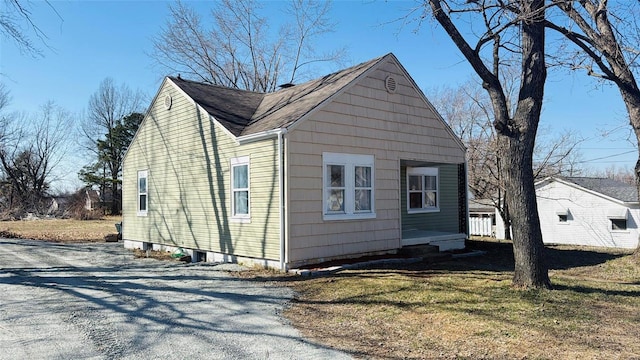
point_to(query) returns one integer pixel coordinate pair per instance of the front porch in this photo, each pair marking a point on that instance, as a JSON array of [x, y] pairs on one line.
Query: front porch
[[433, 204], [443, 240]]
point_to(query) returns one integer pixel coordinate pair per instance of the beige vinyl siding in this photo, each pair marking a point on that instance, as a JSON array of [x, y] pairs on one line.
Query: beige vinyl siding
[[366, 120], [188, 157], [446, 219]]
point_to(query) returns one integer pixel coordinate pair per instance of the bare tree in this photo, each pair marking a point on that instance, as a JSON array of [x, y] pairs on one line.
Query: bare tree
[[467, 109], [556, 153], [16, 22], [108, 107], [607, 41], [29, 157], [606, 46], [5, 99], [515, 31], [238, 49]]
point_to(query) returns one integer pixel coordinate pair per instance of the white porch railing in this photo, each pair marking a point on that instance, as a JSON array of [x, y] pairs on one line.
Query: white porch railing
[[480, 226]]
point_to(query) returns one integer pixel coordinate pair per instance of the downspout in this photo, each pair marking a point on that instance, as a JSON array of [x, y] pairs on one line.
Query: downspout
[[466, 195], [281, 175]]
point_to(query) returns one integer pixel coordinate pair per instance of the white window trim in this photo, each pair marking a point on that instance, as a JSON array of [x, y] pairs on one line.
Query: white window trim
[[142, 174], [618, 214], [626, 223], [423, 171], [349, 161], [240, 161]]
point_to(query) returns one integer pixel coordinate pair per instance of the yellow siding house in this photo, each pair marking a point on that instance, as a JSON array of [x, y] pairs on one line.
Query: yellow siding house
[[354, 163]]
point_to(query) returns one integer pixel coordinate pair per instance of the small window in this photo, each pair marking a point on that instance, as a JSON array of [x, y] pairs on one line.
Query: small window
[[143, 193], [618, 224], [422, 190], [563, 218], [240, 187], [348, 186]]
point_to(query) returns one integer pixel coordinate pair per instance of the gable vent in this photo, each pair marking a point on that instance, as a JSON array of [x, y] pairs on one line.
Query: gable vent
[[390, 84]]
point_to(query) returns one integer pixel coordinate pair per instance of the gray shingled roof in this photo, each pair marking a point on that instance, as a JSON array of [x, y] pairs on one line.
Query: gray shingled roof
[[612, 188], [481, 205], [233, 108], [245, 112]]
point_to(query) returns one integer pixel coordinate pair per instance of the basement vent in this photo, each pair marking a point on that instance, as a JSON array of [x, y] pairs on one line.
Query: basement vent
[[390, 84], [167, 102]]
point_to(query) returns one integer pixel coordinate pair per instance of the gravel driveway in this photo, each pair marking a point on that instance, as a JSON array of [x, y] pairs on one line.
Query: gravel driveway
[[96, 301]]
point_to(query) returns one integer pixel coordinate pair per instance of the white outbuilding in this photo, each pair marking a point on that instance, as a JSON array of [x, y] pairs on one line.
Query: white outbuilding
[[587, 211]]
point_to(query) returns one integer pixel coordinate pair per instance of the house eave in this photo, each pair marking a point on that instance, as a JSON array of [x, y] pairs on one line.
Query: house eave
[[269, 134]]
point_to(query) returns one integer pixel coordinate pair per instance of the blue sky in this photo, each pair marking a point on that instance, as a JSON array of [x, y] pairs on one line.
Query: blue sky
[[98, 39]]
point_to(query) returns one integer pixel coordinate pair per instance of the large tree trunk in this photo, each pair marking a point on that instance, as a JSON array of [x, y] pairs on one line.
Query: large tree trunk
[[516, 135], [632, 102], [528, 249], [516, 139]]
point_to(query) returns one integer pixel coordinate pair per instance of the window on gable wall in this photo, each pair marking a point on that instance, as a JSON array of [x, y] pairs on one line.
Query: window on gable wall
[[618, 218], [563, 215], [618, 224], [422, 189], [348, 186], [240, 187], [143, 198]]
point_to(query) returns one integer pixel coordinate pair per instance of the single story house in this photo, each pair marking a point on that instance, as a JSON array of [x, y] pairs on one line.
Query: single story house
[[357, 162], [587, 211]]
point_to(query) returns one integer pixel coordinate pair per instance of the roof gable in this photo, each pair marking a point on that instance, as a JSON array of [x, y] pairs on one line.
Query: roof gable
[[247, 114]]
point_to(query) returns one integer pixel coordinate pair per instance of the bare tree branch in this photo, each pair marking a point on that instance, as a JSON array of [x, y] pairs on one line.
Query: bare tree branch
[[16, 20], [238, 49]]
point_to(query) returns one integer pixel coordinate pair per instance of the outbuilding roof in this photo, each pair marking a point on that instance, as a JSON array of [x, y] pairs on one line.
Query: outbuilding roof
[[611, 188]]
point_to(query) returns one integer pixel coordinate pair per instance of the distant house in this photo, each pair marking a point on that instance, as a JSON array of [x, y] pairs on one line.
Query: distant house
[[587, 211], [354, 163], [60, 205], [92, 199]]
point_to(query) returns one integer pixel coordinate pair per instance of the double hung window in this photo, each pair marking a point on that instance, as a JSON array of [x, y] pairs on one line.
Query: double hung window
[[422, 189], [240, 187], [348, 186], [143, 193]]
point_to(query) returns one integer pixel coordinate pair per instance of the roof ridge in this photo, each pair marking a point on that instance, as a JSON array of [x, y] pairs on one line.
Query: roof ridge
[[174, 78], [276, 101], [348, 69]]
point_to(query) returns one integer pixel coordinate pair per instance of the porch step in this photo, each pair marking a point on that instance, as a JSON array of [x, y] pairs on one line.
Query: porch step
[[419, 250]]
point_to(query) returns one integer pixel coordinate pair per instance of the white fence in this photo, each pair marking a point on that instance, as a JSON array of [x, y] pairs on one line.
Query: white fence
[[480, 226]]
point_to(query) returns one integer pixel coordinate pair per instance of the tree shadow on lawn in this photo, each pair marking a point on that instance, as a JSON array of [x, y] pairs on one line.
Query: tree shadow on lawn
[[498, 256], [493, 256]]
